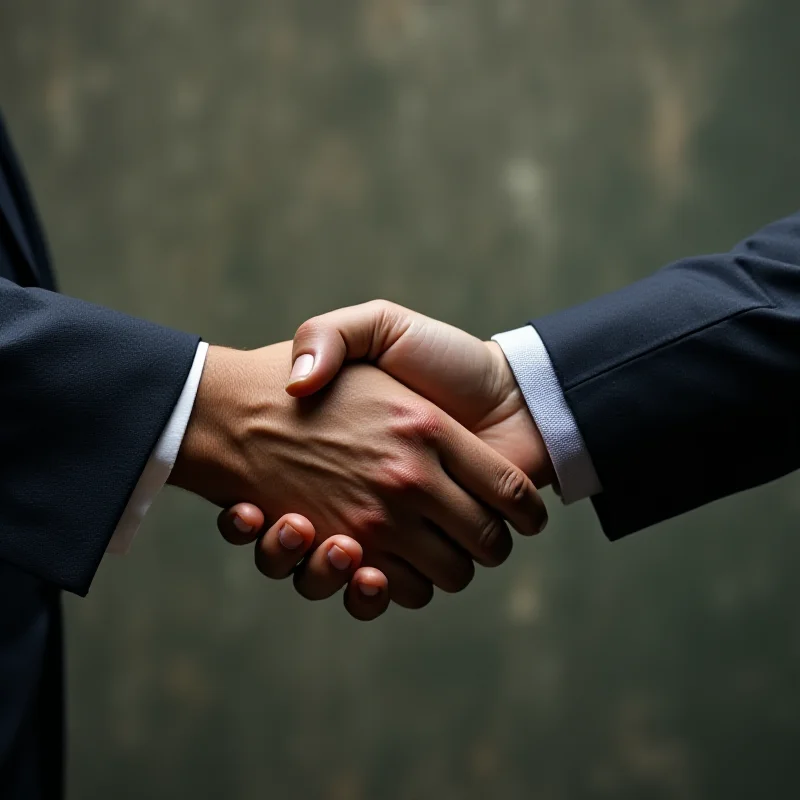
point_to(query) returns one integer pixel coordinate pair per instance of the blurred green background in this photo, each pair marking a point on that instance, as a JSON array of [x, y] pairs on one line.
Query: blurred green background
[[232, 167]]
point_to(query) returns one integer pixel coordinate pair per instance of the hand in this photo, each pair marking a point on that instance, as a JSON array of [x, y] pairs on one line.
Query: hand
[[468, 379], [287, 548], [368, 457]]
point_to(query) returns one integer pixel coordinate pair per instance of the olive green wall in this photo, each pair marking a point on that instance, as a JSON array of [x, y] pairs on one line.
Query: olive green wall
[[232, 167]]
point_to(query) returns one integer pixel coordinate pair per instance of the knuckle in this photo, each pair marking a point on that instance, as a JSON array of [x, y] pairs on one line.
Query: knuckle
[[385, 309], [402, 418], [494, 540], [309, 329], [369, 523], [413, 421], [381, 306], [428, 423], [397, 475], [407, 474], [491, 532], [512, 485]]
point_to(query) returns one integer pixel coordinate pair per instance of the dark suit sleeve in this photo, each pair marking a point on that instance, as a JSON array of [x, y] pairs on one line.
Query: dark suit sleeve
[[84, 395], [686, 385]]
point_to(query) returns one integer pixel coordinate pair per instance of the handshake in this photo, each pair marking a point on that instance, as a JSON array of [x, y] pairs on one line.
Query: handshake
[[405, 464]]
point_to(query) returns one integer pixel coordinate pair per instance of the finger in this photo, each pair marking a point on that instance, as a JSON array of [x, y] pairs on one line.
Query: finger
[[367, 594], [479, 531], [322, 344], [240, 524], [436, 555], [279, 550], [407, 587], [492, 479], [328, 568]]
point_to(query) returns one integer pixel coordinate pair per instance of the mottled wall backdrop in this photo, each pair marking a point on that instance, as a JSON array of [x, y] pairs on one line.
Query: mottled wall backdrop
[[233, 166]]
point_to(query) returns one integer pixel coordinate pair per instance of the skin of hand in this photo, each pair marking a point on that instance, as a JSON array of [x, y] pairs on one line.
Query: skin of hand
[[468, 379], [367, 456], [287, 548]]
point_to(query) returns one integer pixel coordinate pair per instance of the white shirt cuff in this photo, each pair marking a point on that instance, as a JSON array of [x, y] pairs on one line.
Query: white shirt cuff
[[530, 362], [161, 460]]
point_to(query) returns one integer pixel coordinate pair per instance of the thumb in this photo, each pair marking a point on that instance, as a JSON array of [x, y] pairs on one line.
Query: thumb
[[322, 344]]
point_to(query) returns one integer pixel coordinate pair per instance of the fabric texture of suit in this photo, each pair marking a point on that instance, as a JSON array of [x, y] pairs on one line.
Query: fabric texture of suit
[[677, 380], [84, 395]]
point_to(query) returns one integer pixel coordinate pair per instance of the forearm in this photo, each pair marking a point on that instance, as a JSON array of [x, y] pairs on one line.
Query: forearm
[[210, 461], [685, 385], [162, 460], [85, 395]]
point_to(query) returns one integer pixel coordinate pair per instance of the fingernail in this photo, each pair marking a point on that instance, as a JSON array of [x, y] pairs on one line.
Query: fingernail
[[339, 558], [241, 525], [302, 367], [368, 589], [290, 538]]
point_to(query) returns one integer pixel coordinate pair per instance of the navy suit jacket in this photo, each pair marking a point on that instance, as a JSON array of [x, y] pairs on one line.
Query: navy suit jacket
[[686, 385], [84, 395]]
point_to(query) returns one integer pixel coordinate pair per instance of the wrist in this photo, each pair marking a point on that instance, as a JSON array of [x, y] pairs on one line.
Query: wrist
[[529, 451], [207, 457]]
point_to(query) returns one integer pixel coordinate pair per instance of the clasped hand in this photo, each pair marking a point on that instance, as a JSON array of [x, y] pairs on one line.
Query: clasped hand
[[404, 467]]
